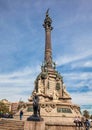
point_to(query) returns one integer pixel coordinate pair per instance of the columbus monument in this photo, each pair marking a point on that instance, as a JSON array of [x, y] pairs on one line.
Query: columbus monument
[[55, 102]]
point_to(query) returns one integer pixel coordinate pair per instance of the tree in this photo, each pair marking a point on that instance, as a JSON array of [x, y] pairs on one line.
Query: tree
[[3, 108], [86, 114]]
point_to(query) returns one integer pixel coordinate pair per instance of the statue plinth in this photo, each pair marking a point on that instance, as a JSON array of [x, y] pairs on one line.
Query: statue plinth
[[34, 118]]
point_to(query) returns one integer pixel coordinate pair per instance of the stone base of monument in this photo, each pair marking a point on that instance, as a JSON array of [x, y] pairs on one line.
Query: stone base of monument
[[42, 125], [34, 118], [34, 125]]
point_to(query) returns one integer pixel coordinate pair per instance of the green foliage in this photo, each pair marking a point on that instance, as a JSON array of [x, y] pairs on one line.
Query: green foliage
[[3, 108], [86, 114]]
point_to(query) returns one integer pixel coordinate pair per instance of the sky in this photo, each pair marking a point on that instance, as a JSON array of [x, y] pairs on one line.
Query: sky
[[22, 43]]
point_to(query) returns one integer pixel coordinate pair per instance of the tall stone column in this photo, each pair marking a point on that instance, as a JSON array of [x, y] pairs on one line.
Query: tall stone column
[[48, 48]]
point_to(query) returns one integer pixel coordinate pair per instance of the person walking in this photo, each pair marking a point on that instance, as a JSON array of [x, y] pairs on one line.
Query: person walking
[[87, 124], [21, 114]]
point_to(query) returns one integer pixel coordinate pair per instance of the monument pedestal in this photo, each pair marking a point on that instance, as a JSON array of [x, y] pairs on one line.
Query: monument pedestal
[[34, 118], [34, 125]]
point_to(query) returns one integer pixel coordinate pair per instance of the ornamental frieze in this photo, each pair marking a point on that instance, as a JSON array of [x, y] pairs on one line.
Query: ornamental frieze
[[48, 107]]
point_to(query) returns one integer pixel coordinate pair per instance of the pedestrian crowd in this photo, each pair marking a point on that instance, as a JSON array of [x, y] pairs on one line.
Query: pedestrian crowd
[[82, 122]]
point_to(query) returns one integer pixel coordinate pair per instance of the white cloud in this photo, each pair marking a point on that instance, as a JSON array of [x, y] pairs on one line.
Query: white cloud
[[78, 76], [61, 60], [78, 82], [14, 85], [82, 98], [15, 93], [88, 64], [79, 49], [82, 64]]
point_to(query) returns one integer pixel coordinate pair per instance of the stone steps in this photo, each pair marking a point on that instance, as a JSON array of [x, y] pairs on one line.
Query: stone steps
[[6, 124]]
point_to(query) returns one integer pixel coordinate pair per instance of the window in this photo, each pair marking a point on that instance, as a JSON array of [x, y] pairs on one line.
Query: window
[[64, 110], [30, 109]]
